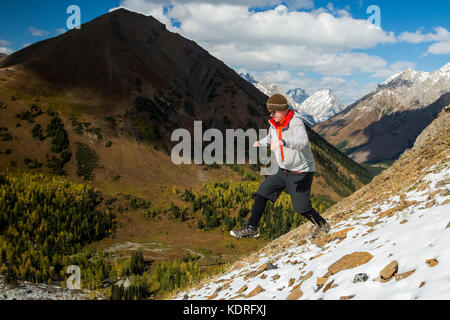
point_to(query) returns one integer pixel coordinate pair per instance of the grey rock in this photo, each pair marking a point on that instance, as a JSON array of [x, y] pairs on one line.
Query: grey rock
[[271, 266], [360, 277]]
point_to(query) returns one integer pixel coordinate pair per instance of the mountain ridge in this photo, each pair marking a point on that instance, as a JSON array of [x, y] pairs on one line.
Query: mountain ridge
[[403, 95]]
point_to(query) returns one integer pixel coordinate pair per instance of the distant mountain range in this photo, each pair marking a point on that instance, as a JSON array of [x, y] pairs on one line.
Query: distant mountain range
[[270, 88], [320, 106], [385, 122]]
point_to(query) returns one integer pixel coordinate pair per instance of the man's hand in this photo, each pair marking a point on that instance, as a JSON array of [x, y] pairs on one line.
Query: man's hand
[[274, 145], [256, 144]]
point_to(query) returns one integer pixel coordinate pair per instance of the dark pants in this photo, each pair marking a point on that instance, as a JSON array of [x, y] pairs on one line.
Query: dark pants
[[298, 185]]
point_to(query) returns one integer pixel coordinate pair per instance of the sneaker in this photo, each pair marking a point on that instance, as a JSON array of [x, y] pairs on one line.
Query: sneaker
[[246, 232], [321, 230]]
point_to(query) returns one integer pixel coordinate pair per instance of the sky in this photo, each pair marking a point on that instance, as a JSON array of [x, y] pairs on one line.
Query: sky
[[308, 44]]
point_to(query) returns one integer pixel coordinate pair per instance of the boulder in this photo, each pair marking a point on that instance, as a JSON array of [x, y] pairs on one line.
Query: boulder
[[360, 277], [267, 267], [432, 262], [295, 294], [255, 291], [242, 290], [328, 286], [213, 296], [291, 282], [404, 275], [388, 272], [320, 282], [350, 261]]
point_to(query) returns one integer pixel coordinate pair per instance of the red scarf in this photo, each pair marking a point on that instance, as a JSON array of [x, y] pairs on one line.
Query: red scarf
[[279, 127]]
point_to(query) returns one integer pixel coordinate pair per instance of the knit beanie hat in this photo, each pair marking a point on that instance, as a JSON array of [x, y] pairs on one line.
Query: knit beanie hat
[[277, 102]]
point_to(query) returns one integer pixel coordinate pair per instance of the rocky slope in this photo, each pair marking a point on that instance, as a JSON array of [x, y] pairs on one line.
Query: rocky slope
[[395, 112], [389, 240], [31, 291]]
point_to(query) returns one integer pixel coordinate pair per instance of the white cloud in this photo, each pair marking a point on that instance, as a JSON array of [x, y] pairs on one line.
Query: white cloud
[[143, 4], [37, 32], [4, 46], [6, 50], [234, 23], [276, 76], [4, 42], [295, 57], [155, 8], [60, 30], [440, 36], [439, 48], [394, 68]]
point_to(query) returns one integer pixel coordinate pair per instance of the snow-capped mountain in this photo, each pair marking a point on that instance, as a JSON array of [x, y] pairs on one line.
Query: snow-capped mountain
[[414, 89], [373, 251], [318, 107], [270, 88], [322, 105], [385, 122], [248, 77], [298, 94]]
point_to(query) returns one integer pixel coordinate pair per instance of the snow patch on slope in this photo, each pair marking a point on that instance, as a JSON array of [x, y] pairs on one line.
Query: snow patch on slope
[[410, 229]]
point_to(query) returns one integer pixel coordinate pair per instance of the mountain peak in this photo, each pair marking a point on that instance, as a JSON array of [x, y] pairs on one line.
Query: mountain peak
[[446, 68], [109, 53], [408, 76], [322, 105], [298, 94], [248, 77]]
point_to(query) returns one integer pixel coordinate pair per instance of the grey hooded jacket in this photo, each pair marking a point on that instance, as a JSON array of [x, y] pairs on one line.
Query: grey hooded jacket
[[297, 151]]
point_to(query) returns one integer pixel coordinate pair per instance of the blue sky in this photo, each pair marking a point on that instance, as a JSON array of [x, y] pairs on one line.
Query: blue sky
[[413, 34]]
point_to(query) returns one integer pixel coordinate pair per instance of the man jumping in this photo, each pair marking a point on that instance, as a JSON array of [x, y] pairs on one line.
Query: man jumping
[[289, 141]]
